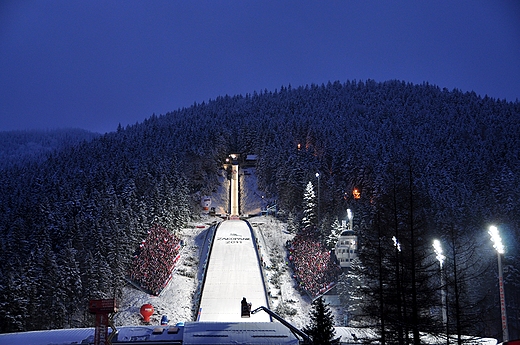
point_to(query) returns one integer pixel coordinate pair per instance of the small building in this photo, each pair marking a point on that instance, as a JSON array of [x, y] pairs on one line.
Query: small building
[[346, 248]]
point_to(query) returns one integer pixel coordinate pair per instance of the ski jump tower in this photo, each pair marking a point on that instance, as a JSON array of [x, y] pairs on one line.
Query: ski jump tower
[[232, 168], [234, 189]]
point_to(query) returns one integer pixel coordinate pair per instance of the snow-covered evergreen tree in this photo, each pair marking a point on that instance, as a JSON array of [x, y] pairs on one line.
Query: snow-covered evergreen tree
[[292, 223], [335, 232], [310, 218]]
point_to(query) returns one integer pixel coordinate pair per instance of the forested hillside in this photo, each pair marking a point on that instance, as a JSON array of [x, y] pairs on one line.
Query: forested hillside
[[20, 147], [428, 163]]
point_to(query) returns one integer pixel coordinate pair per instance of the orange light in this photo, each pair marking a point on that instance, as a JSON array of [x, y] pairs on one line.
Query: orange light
[[356, 193]]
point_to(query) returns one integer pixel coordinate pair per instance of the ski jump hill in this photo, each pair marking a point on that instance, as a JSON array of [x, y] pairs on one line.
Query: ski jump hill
[[233, 272]]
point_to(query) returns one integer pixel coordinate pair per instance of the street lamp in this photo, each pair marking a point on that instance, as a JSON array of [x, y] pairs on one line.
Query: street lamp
[[497, 244], [438, 251], [318, 177], [350, 216]]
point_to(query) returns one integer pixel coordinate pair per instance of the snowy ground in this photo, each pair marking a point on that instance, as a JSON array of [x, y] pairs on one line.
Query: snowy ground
[[175, 301], [284, 299]]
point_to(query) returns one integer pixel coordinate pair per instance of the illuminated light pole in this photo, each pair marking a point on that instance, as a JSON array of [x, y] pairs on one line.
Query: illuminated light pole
[[350, 216], [497, 244], [438, 251], [397, 245], [318, 177]]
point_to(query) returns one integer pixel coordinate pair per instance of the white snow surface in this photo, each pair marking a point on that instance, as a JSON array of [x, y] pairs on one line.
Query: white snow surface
[[233, 272], [53, 336]]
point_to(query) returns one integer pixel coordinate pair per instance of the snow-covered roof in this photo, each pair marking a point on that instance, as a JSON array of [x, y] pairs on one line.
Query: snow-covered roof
[[55, 337], [188, 333], [348, 233], [237, 333]]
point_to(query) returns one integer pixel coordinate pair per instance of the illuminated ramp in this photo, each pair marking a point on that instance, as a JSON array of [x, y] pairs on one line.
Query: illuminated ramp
[[233, 272], [234, 190]]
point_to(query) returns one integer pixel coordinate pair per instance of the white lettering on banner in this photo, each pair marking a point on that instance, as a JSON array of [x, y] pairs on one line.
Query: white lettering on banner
[[233, 238]]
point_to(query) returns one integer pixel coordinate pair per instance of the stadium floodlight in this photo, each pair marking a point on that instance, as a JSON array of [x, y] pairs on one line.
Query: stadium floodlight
[[497, 244], [438, 251], [350, 216], [495, 238], [396, 243]]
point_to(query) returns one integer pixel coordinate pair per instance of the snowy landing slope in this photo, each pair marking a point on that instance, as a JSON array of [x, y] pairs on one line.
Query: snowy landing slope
[[233, 272]]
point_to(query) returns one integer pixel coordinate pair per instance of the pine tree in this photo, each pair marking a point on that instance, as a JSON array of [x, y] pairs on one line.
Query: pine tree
[[309, 207], [292, 223], [336, 230], [321, 326], [71, 282]]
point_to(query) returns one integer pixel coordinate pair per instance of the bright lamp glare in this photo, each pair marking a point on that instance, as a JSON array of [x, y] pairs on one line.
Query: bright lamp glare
[[438, 250], [396, 243], [349, 213], [497, 241]]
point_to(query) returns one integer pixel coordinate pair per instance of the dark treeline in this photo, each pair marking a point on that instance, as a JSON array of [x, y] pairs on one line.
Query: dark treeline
[[21, 147], [429, 163]]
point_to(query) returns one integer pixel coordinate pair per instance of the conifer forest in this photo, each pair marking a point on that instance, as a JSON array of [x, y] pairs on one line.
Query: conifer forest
[[429, 163]]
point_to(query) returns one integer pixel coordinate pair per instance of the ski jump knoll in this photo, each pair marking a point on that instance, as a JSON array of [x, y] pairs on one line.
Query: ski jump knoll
[[233, 272]]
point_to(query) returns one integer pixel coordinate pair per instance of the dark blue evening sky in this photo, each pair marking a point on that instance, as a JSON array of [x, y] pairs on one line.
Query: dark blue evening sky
[[95, 64]]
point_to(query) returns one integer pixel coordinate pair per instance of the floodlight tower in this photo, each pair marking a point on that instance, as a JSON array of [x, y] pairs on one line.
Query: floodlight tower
[[350, 216], [497, 244], [438, 251]]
